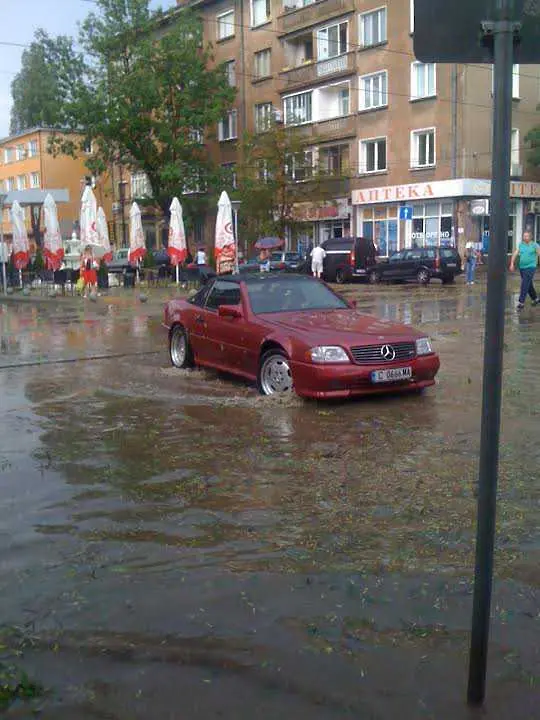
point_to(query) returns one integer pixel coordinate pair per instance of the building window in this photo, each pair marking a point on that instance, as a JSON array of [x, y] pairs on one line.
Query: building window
[[263, 174], [227, 129], [230, 170], [380, 224], [10, 184], [21, 152], [263, 116], [32, 148], [344, 101], [8, 155], [225, 25], [21, 182], [515, 82], [87, 147], [373, 91], [230, 72], [196, 136], [332, 41], [411, 16], [514, 152], [140, 185], [423, 80], [260, 12], [263, 64], [298, 109], [423, 148], [372, 155], [334, 160], [373, 27], [299, 166], [193, 184], [432, 224], [35, 180]]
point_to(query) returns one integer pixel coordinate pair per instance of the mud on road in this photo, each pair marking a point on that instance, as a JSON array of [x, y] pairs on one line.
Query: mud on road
[[176, 546]]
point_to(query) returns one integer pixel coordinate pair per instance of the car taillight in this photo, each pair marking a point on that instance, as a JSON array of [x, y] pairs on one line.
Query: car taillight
[[352, 258]]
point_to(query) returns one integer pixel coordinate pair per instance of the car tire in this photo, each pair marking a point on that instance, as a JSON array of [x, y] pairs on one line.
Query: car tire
[[374, 277], [423, 276], [448, 280], [180, 351], [340, 276], [274, 375]]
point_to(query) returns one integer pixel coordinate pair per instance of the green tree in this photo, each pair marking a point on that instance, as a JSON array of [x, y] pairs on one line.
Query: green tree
[[43, 83], [533, 140], [146, 98]]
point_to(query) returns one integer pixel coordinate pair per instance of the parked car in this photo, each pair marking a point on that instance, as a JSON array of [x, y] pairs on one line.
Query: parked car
[[119, 263], [287, 331], [348, 258], [420, 265], [279, 260]]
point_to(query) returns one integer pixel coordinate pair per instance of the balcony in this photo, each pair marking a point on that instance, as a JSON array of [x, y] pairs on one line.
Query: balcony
[[295, 18], [310, 72], [324, 130]]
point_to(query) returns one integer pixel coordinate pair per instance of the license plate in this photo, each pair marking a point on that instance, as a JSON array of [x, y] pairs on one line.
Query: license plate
[[391, 375], [451, 264]]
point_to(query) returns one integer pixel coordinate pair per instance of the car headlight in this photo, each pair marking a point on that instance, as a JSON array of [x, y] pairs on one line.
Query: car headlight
[[328, 354], [423, 346]]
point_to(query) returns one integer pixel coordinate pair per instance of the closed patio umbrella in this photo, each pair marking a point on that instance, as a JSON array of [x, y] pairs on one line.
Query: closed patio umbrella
[[225, 245], [53, 250], [177, 248]]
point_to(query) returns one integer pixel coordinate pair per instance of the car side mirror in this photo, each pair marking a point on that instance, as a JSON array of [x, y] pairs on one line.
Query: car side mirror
[[229, 311]]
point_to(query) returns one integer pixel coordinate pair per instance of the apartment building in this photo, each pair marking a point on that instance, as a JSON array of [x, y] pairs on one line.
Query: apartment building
[[25, 163], [409, 143]]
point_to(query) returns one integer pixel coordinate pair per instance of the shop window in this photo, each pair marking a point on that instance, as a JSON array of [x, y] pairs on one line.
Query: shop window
[[423, 80], [373, 27], [380, 224], [225, 25], [432, 225], [423, 148], [373, 91]]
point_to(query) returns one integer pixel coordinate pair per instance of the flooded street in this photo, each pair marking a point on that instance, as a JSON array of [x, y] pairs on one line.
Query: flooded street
[[174, 545]]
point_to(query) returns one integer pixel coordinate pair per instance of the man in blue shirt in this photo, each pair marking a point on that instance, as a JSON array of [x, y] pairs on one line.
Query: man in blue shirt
[[528, 253]]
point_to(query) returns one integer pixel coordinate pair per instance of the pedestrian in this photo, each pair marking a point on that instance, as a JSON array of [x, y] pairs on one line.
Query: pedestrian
[[264, 260], [527, 252], [470, 262], [317, 260], [201, 256], [88, 271]]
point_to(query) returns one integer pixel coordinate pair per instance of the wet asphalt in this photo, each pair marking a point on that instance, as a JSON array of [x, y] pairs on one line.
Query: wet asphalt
[[173, 545]]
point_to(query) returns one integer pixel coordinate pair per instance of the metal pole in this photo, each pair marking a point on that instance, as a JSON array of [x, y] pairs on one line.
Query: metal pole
[[236, 248], [2, 245], [502, 31]]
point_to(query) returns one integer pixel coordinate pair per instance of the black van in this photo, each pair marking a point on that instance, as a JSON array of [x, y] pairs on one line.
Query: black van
[[348, 258]]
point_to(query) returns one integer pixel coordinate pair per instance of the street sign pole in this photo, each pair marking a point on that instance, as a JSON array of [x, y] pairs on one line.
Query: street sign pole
[[502, 31]]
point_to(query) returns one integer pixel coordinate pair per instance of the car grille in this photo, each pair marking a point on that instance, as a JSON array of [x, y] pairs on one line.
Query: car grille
[[372, 354]]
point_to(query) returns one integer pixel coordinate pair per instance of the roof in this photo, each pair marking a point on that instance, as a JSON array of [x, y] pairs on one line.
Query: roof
[[263, 276], [31, 131]]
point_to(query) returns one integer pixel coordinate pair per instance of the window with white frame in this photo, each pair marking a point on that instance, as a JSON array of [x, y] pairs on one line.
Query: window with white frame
[[332, 40], [298, 109], [263, 116], [373, 27], [260, 11], [299, 166], [20, 152], [32, 148], [10, 184], [230, 72], [225, 25], [230, 170], [263, 63], [373, 90], [423, 80], [515, 82], [21, 182], [193, 184], [35, 180], [372, 155], [9, 154], [514, 150], [140, 185], [423, 148], [196, 136], [344, 103], [227, 128]]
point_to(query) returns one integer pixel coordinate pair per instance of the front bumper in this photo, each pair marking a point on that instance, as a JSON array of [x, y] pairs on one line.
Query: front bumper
[[348, 380]]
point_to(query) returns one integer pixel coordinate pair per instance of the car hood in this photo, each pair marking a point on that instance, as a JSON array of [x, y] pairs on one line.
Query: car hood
[[347, 326]]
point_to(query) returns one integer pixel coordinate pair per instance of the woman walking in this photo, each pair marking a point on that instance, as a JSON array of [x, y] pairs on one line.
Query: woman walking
[[88, 271], [528, 253]]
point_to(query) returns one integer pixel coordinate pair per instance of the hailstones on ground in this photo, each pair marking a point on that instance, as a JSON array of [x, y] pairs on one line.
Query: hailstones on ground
[[143, 298], [52, 293], [93, 297], [26, 291], [9, 291]]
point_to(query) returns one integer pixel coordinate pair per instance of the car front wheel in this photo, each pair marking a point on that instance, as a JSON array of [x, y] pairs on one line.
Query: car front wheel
[[179, 348], [275, 373], [422, 276]]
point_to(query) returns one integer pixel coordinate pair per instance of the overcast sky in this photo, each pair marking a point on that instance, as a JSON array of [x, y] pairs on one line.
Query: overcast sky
[[20, 19]]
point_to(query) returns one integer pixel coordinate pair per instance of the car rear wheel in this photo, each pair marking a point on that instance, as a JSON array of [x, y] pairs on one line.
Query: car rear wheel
[[340, 276], [275, 373], [179, 348], [422, 276], [374, 277]]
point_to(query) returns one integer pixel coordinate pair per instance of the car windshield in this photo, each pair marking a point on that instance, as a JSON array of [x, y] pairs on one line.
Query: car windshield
[[448, 253], [291, 294]]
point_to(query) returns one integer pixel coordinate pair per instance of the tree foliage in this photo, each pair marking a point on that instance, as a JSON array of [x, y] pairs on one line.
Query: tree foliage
[[145, 97], [49, 70], [533, 140]]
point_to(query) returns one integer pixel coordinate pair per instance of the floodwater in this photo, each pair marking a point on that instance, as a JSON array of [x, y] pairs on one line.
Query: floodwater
[[174, 546]]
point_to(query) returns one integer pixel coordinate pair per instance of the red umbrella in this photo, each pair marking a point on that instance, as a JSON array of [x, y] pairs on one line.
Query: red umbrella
[[269, 243]]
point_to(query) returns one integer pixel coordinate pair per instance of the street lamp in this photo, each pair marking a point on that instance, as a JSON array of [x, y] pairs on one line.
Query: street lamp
[[235, 206], [3, 247]]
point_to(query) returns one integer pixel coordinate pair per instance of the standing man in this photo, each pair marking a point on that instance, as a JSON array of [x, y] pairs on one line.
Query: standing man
[[470, 262], [317, 259], [528, 253], [201, 256]]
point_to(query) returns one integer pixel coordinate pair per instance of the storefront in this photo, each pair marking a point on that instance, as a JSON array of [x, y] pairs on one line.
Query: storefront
[[440, 213], [323, 221]]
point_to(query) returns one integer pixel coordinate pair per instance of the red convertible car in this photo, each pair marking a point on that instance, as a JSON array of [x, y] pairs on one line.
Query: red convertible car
[[293, 332]]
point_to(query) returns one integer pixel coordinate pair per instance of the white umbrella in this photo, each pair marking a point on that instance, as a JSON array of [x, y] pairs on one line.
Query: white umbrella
[[225, 246], [103, 235], [21, 248], [52, 242], [137, 246], [88, 219], [177, 248]]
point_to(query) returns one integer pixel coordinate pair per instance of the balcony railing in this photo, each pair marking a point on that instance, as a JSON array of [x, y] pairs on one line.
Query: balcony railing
[[329, 129], [294, 19], [310, 72]]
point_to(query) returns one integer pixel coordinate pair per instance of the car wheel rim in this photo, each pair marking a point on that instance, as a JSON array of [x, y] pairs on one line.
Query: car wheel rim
[[276, 375], [178, 348], [422, 276]]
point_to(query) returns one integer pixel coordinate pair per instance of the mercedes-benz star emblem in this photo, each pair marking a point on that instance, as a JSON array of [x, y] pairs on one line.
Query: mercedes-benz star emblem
[[388, 352]]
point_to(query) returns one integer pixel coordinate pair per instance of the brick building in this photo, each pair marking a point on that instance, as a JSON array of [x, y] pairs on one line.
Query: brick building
[[397, 133]]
